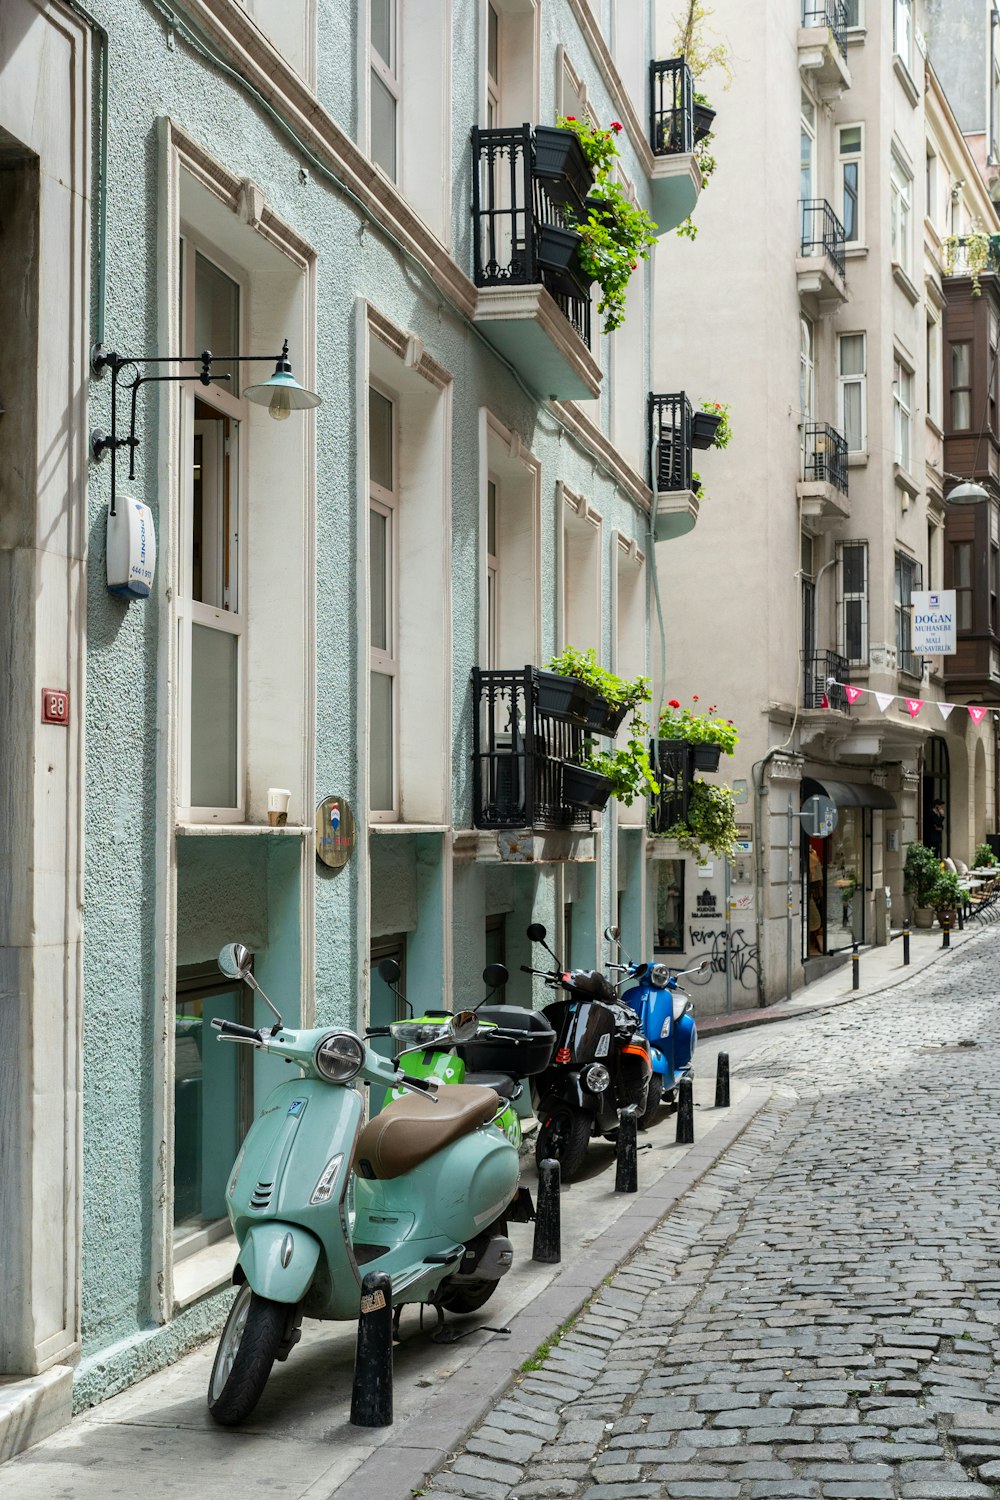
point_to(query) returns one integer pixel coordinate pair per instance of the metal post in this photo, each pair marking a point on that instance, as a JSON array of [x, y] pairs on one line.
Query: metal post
[[906, 943], [685, 1112], [729, 939], [788, 917], [960, 908], [546, 1249], [627, 1168], [855, 968], [722, 1081], [946, 929], [371, 1397]]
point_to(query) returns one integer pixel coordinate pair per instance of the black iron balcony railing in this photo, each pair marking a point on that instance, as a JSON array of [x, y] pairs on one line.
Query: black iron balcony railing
[[970, 253], [670, 441], [519, 755], [832, 13], [674, 762], [671, 107], [522, 223], [825, 674], [824, 455], [822, 232]]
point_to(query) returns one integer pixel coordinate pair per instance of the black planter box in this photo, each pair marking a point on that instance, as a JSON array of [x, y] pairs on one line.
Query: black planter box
[[706, 757], [704, 426], [556, 253], [565, 698], [704, 119], [560, 162], [603, 719], [584, 788]]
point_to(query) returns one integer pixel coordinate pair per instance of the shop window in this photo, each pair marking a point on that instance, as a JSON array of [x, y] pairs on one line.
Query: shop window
[[668, 922], [213, 1103]]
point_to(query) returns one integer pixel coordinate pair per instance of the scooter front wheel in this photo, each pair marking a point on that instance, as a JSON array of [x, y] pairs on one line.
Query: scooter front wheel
[[247, 1349], [653, 1098], [563, 1136]]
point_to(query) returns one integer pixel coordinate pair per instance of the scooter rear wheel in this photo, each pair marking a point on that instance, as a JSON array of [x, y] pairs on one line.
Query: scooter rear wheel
[[563, 1136], [247, 1349], [468, 1298], [653, 1098]]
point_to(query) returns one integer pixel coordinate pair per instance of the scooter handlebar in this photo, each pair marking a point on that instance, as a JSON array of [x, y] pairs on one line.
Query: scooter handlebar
[[233, 1028]]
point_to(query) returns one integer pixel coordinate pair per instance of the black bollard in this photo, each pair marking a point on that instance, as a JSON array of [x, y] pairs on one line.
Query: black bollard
[[545, 1248], [722, 1081], [906, 944], [685, 1112], [371, 1396], [946, 929], [961, 916], [855, 969], [627, 1166]]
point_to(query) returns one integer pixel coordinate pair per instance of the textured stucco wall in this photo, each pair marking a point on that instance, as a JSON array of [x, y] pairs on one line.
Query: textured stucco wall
[[229, 888]]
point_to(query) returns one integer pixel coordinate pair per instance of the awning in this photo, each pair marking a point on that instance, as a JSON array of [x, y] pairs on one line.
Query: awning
[[848, 793]]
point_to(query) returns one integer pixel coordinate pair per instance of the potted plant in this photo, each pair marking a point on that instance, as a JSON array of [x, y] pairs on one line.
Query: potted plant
[[562, 697], [920, 876], [708, 735], [557, 251], [627, 768], [615, 233], [980, 255], [710, 823], [614, 697], [583, 786], [946, 896], [710, 427], [984, 858], [560, 158], [704, 118]]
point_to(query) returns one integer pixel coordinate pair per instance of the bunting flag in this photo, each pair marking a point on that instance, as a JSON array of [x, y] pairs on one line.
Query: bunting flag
[[853, 694], [946, 709], [978, 714], [824, 702], [884, 699], [913, 706]]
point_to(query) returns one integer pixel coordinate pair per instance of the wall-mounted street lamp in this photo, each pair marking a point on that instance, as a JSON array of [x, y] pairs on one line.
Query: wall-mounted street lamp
[[965, 492], [131, 539]]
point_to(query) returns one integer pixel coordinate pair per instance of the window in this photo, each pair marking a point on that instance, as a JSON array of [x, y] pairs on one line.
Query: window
[[961, 386], [994, 571], [668, 931], [384, 85], [853, 14], [807, 150], [212, 1103], [853, 632], [992, 392], [901, 201], [492, 66], [492, 599], [806, 568], [902, 30], [907, 579], [934, 395], [806, 371], [849, 139], [994, 152], [383, 727], [930, 182], [902, 413], [211, 606], [961, 574], [851, 401], [290, 26]]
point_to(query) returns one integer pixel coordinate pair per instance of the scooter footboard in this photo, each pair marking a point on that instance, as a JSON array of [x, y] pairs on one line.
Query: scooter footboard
[[278, 1260]]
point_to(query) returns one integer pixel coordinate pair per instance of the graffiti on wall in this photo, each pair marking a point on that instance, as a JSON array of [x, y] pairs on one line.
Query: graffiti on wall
[[713, 946]]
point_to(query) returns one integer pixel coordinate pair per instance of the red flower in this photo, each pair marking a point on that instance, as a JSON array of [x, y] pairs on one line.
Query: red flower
[[571, 117], [694, 698], [616, 126], [673, 703]]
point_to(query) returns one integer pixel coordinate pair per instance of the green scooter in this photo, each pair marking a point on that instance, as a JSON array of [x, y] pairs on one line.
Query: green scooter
[[421, 1193]]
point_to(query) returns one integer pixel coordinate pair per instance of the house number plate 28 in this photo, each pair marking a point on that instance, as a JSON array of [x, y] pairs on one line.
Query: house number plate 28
[[55, 706]]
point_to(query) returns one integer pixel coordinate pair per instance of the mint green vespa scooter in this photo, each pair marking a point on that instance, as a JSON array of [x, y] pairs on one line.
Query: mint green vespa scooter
[[421, 1193]]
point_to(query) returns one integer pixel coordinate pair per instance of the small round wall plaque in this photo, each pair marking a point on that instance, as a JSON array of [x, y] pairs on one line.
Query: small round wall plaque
[[334, 832]]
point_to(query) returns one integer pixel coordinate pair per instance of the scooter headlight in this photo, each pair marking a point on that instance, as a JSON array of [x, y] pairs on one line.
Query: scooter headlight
[[418, 1033], [340, 1056], [596, 1078], [658, 976]]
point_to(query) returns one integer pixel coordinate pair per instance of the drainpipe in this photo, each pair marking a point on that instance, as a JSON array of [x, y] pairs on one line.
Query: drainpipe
[[101, 38]]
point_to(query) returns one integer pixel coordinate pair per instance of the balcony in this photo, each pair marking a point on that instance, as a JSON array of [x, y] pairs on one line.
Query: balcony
[[674, 761], [822, 44], [521, 751], [821, 268], [673, 135], [822, 490], [534, 303], [824, 677], [672, 479]]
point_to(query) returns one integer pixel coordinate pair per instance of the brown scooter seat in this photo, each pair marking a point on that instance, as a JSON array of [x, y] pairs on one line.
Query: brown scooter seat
[[411, 1129]]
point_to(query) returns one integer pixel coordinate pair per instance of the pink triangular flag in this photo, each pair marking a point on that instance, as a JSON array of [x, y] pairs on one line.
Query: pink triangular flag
[[884, 699], [978, 714], [946, 709], [824, 702], [853, 694], [913, 706]]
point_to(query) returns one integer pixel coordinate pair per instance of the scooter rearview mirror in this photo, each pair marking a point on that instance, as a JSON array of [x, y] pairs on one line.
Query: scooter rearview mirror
[[706, 963], [389, 970], [612, 934], [463, 1026], [537, 932], [235, 961], [495, 976]]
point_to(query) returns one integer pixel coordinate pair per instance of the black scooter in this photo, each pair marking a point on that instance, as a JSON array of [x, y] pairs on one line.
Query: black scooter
[[602, 1063]]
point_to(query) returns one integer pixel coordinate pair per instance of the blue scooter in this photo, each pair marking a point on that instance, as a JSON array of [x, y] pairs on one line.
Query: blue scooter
[[666, 1020]]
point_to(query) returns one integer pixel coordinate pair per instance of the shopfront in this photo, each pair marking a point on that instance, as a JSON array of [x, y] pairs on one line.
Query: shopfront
[[837, 870]]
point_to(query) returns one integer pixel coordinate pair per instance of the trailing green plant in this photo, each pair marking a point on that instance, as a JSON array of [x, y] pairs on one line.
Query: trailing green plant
[[710, 823], [627, 767], [984, 858], [981, 254], [724, 431], [678, 723], [920, 873], [616, 234], [618, 692], [693, 42], [946, 894]]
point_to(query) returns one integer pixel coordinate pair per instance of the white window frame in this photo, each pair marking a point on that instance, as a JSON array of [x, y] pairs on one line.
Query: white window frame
[[190, 611], [861, 380], [902, 414], [807, 372], [387, 70], [807, 131], [386, 662], [855, 595], [902, 10], [901, 211], [844, 160], [492, 575], [494, 85], [935, 382]]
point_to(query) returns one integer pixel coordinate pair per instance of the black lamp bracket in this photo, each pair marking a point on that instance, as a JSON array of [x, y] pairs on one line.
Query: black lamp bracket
[[126, 372]]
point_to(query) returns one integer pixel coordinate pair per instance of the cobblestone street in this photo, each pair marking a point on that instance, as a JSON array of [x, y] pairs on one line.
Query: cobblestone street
[[820, 1318]]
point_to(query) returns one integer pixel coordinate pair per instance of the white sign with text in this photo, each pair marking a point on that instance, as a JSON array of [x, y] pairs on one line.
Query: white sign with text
[[934, 623]]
